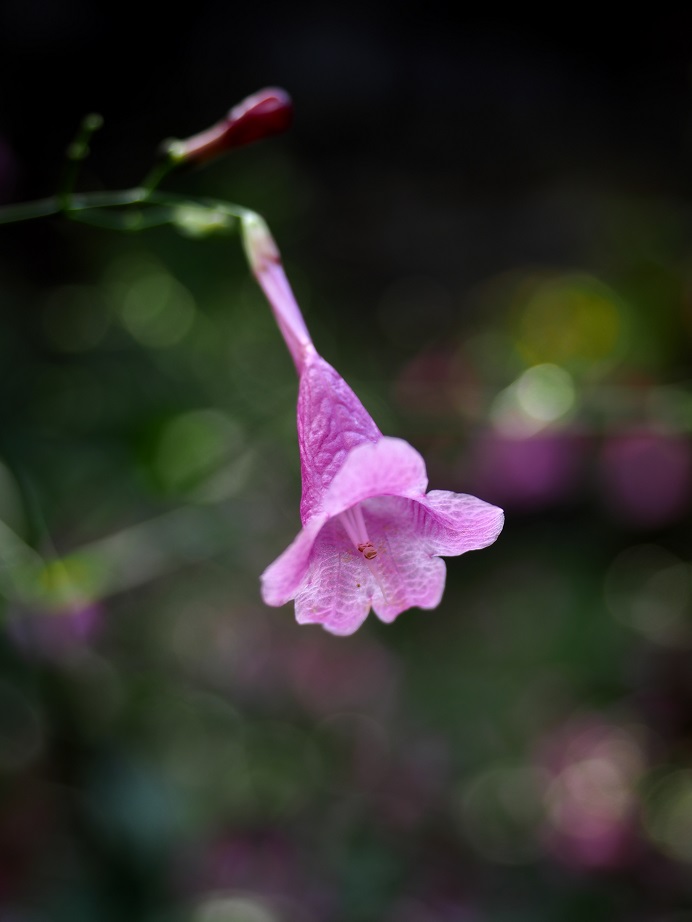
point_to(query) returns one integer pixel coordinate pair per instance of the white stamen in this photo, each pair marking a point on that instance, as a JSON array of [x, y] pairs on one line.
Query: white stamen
[[354, 523]]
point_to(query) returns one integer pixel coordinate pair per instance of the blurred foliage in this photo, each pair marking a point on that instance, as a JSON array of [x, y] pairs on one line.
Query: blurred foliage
[[172, 750]]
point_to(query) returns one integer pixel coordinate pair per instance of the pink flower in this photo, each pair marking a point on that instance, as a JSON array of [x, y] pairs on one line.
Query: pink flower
[[371, 536]]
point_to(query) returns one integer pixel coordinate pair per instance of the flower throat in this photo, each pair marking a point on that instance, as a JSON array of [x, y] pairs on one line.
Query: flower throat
[[354, 523]]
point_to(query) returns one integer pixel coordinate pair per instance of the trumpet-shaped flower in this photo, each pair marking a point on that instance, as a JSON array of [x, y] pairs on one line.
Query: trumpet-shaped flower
[[371, 535]]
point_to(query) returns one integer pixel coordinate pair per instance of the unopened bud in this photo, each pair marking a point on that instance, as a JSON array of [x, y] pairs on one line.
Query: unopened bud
[[265, 113]]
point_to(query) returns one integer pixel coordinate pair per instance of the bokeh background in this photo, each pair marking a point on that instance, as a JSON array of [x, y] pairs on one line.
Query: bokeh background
[[488, 226]]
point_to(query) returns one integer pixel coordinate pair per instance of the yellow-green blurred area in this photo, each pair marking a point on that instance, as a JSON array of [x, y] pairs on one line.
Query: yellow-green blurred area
[[490, 237]]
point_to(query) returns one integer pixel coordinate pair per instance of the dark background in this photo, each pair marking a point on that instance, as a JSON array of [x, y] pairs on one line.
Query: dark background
[[487, 222]]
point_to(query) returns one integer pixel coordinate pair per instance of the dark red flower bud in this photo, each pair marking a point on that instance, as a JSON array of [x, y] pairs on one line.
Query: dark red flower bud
[[265, 113]]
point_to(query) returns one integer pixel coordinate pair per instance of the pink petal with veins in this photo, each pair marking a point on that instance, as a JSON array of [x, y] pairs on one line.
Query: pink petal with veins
[[341, 586], [389, 467], [331, 422], [462, 522], [335, 585], [281, 579]]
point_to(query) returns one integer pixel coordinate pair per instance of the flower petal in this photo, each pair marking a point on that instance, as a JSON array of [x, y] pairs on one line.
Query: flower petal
[[281, 579], [337, 590], [389, 467], [331, 422], [405, 573], [458, 522]]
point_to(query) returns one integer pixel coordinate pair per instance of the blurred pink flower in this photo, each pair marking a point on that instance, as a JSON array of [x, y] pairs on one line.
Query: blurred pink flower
[[592, 770], [56, 634], [371, 535], [320, 676], [646, 476], [528, 472]]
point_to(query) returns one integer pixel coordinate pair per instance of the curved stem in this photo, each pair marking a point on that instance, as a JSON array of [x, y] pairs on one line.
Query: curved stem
[[77, 152], [131, 220], [157, 175], [27, 211]]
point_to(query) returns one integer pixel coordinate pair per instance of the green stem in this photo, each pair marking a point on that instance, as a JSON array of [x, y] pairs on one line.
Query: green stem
[[130, 220], [76, 153], [27, 211], [157, 174]]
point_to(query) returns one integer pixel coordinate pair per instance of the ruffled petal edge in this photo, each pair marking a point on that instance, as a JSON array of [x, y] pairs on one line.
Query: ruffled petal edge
[[461, 522]]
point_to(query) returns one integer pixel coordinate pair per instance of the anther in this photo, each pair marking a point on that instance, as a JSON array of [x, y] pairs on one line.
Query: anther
[[367, 550]]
